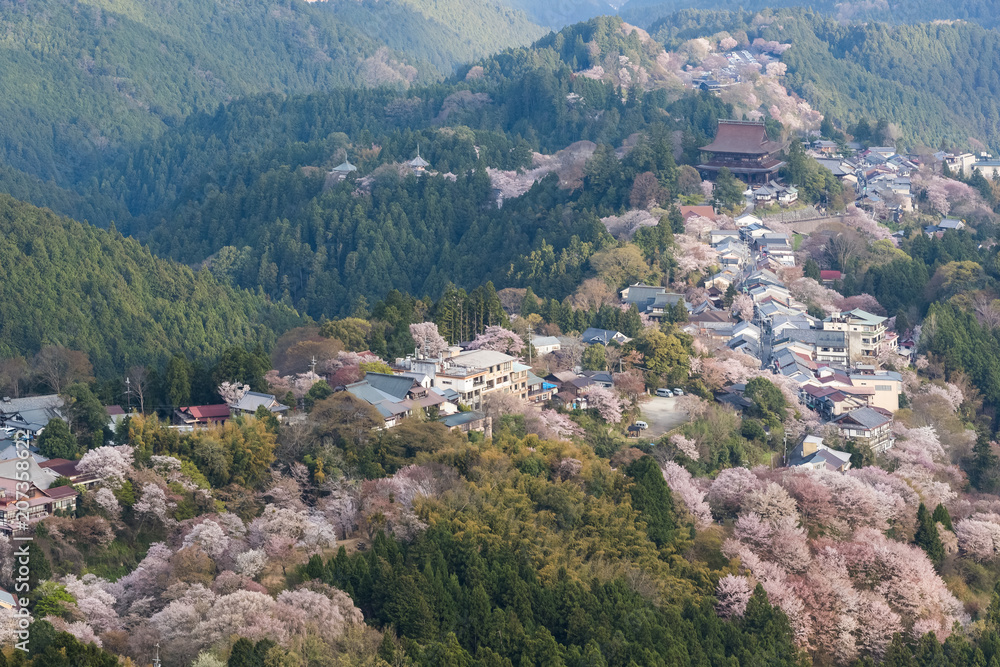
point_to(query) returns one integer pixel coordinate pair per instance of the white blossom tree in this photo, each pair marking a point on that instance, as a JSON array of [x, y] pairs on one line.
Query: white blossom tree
[[428, 339]]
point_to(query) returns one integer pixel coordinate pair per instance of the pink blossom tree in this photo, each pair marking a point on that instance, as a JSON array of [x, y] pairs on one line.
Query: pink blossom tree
[[743, 307], [732, 595], [153, 503], [607, 404], [730, 490], [113, 465], [233, 392], [498, 339], [105, 499], [428, 339], [680, 483], [687, 446]]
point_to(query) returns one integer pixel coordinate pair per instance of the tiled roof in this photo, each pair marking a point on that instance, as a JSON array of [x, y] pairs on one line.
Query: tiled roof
[[866, 417], [742, 137]]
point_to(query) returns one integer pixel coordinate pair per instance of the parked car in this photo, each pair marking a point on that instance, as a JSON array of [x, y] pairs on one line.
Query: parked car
[[678, 392], [663, 391], [642, 425]]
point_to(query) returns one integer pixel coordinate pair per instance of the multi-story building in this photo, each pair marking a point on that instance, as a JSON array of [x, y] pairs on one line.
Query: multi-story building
[[865, 332], [867, 426], [472, 374]]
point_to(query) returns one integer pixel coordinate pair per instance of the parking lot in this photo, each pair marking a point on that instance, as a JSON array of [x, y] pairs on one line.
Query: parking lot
[[662, 415]]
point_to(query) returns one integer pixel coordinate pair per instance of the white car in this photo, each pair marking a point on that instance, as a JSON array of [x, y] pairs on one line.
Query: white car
[[642, 425], [663, 391], [678, 392]]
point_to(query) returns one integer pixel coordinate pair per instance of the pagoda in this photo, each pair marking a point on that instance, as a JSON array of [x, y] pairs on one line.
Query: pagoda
[[342, 171], [418, 164], [744, 147]]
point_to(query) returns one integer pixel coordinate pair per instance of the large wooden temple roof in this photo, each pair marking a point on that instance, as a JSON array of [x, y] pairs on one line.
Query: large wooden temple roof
[[745, 137]]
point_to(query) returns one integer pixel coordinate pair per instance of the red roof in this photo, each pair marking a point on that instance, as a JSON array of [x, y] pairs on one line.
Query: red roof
[[742, 136], [63, 467], [829, 275], [114, 410], [703, 211], [220, 411], [60, 492]]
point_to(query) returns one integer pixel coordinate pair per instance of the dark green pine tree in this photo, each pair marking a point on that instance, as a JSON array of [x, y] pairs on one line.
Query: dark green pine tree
[[651, 497], [387, 649], [730, 296], [942, 517], [927, 537], [984, 470], [676, 220], [244, 654], [728, 189], [811, 269], [631, 322]]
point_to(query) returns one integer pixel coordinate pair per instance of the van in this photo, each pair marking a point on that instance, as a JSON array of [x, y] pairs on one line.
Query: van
[[642, 425], [663, 391], [678, 392]]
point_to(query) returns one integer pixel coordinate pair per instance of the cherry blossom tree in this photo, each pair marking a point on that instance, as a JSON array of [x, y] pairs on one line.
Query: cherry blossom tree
[[865, 302], [730, 490], [693, 255], [568, 468], [105, 499], [209, 536], [732, 595], [555, 424], [680, 483], [498, 339], [980, 540], [808, 290], [728, 44], [153, 502], [772, 502], [630, 385], [93, 601], [775, 69], [743, 307], [428, 339], [251, 563], [607, 404], [113, 465], [341, 507], [233, 392], [686, 446]]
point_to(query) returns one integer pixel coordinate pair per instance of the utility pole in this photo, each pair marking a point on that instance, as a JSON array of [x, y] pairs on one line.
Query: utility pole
[[128, 393], [156, 660], [529, 343], [312, 365]]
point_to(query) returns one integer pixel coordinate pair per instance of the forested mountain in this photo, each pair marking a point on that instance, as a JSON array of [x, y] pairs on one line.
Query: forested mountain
[[983, 12], [935, 82], [85, 78], [246, 189], [70, 284], [445, 33], [81, 78]]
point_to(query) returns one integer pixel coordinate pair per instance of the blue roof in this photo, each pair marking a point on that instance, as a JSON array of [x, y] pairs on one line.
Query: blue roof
[[461, 418]]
